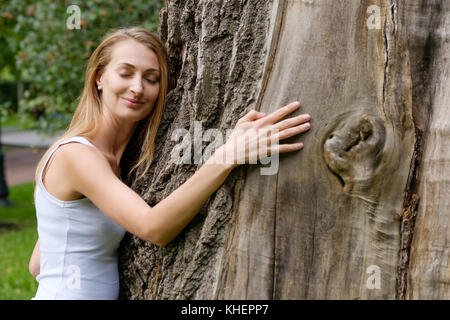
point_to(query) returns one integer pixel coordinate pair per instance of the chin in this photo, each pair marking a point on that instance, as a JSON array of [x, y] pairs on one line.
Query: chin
[[137, 117]]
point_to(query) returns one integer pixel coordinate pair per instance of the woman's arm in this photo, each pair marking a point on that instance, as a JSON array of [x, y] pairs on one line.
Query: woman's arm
[[92, 176], [34, 265]]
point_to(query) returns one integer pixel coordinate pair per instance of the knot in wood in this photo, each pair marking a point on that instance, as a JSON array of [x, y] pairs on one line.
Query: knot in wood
[[353, 148]]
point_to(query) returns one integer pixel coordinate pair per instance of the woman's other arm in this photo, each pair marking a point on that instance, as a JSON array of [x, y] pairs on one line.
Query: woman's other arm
[[34, 265]]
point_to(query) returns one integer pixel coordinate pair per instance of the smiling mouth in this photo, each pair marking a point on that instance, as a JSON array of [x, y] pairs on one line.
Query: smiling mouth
[[133, 102]]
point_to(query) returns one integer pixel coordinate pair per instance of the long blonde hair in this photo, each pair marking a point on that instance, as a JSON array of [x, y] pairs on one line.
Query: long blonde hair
[[86, 118]]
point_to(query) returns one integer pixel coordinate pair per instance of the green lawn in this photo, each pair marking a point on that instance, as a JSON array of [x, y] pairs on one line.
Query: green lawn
[[11, 121], [16, 246]]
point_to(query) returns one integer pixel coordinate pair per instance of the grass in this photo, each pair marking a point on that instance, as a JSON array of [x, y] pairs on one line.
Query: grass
[[11, 121], [16, 246]]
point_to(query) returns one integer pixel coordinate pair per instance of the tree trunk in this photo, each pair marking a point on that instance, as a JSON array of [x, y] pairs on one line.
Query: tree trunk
[[362, 211]]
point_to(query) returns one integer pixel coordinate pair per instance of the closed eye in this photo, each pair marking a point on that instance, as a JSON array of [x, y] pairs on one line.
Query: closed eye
[[129, 75]]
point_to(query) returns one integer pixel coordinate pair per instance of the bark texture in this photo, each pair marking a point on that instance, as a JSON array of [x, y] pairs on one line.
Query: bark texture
[[362, 211]]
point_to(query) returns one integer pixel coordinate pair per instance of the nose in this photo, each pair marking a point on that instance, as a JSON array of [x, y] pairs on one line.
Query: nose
[[137, 86]]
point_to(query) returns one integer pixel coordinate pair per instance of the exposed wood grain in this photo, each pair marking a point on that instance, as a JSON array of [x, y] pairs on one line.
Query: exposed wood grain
[[336, 200]]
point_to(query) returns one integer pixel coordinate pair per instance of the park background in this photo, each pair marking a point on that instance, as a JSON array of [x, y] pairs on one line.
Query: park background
[[42, 61], [360, 213]]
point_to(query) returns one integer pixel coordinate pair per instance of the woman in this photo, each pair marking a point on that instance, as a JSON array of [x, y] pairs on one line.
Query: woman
[[82, 206]]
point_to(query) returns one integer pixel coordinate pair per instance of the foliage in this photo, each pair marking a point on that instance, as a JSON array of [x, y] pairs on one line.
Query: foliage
[[52, 57]]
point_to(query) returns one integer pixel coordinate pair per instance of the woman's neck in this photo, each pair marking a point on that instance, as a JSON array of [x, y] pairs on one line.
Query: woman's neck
[[112, 138]]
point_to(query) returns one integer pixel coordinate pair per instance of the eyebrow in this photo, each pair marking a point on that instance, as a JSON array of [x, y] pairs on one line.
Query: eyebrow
[[132, 66]]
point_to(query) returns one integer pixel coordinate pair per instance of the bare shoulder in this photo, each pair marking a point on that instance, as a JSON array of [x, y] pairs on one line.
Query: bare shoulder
[[81, 159], [86, 170], [64, 164], [74, 153]]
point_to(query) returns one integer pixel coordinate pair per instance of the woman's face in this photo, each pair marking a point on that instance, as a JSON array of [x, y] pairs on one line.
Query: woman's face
[[130, 81]]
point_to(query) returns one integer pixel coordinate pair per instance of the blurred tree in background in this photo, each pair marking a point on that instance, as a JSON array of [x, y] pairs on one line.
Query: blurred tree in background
[[45, 59]]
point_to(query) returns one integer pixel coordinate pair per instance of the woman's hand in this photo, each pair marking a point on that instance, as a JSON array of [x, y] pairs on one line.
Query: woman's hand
[[257, 136]]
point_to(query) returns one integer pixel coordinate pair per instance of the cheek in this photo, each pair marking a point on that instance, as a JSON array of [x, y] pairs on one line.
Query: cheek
[[152, 96], [114, 85], [118, 86], [153, 92]]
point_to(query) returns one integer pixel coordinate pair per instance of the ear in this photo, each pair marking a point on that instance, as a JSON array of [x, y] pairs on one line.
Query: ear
[[98, 78]]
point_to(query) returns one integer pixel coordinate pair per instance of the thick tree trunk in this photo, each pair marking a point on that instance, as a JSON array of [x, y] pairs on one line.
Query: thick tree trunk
[[362, 211]]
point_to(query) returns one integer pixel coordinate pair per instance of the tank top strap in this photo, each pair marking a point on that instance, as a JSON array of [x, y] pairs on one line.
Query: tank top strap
[[82, 140]]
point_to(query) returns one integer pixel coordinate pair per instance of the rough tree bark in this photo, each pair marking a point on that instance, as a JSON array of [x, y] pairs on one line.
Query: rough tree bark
[[362, 211]]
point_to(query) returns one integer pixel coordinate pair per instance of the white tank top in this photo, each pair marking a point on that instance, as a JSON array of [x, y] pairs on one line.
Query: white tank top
[[78, 246]]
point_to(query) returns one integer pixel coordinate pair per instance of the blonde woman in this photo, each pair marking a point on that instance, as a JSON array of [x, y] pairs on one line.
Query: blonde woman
[[82, 206]]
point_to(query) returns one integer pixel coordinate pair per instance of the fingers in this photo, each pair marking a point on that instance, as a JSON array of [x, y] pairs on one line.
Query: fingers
[[284, 148], [251, 116], [291, 122], [277, 115], [265, 131], [271, 138], [272, 118], [287, 133]]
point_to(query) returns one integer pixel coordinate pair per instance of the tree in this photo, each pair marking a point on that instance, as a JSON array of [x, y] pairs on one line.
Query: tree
[[362, 211]]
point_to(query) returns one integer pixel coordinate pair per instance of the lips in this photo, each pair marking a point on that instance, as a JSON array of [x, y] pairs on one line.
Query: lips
[[133, 102]]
